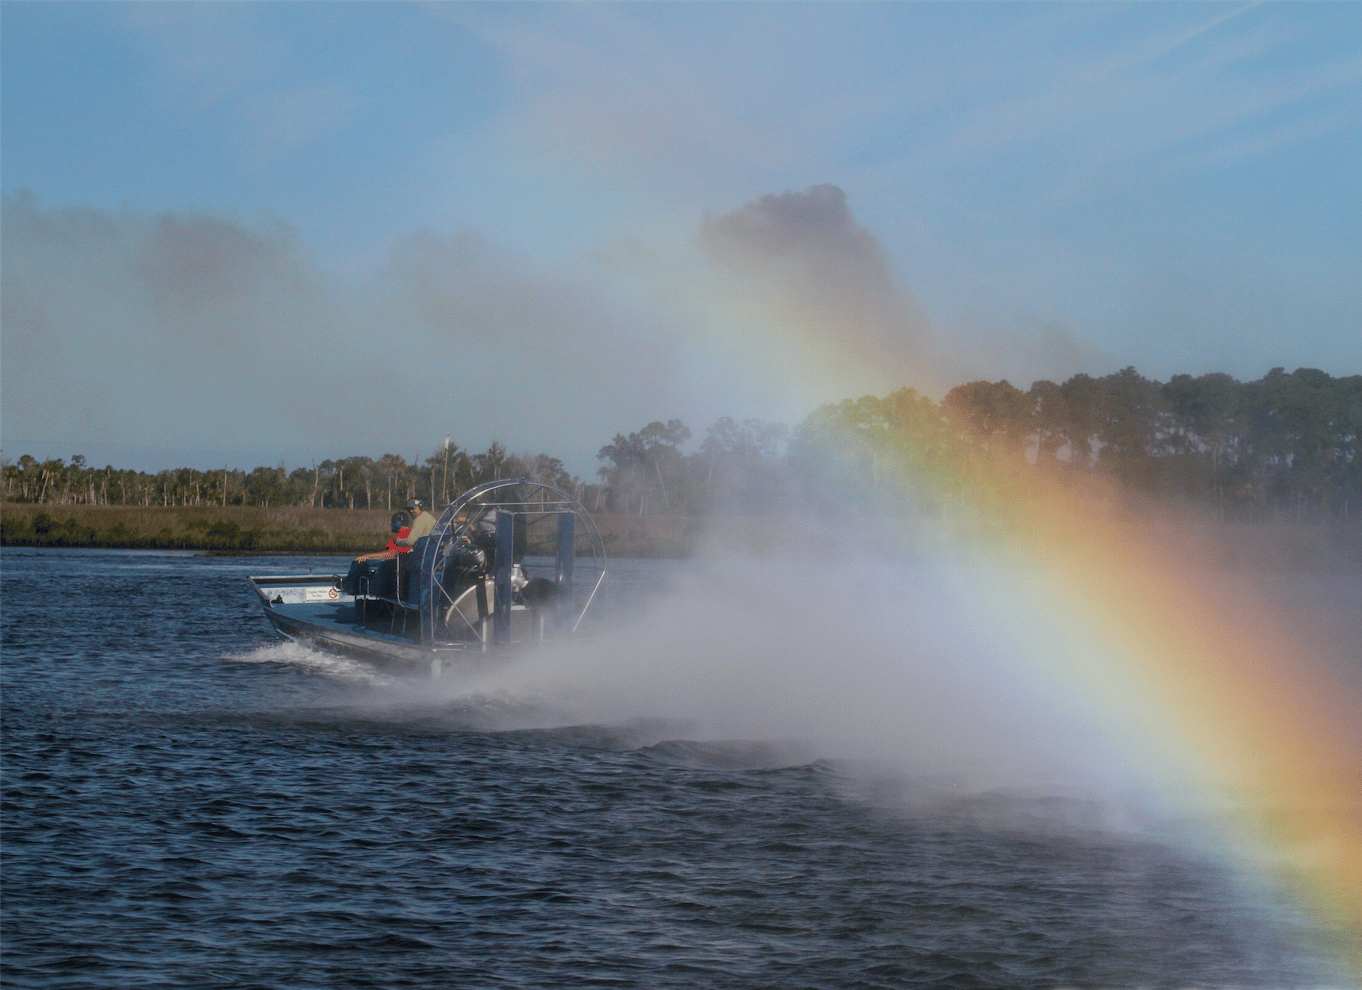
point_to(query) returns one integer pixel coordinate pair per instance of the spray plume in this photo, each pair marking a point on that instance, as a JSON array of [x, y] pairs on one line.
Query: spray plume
[[1039, 632]]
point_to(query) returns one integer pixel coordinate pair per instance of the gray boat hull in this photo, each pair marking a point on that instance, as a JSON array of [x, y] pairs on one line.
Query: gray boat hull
[[509, 565], [308, 608]]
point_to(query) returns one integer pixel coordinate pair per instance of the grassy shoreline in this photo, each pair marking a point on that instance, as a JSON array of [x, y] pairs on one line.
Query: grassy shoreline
[[252, 529]]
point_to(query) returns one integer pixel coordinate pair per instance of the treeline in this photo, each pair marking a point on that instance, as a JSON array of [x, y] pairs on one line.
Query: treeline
[[350, 483], [1282, 447]]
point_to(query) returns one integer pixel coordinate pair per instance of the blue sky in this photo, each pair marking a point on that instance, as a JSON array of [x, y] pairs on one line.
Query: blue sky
[[240, 233]]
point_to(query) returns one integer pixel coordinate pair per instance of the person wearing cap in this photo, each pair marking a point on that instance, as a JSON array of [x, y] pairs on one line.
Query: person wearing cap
[[422, 522]]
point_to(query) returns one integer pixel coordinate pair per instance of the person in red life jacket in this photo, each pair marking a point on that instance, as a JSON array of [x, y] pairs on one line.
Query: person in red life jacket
[[401, 524], [361, 570]]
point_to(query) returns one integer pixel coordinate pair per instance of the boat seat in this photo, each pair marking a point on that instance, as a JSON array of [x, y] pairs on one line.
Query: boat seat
[[354, 578], [372, 578], [383, 578], [413, 585]]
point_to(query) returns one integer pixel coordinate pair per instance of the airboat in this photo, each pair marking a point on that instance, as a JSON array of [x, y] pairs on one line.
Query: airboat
[[509, 566]]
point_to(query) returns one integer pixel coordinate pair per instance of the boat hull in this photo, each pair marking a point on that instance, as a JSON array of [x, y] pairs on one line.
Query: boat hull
[[509, 565], [308, 608]]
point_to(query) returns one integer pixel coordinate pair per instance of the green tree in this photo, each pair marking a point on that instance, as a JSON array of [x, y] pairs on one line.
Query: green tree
[[646, 467], [264, 485], [741, 464], [490, 465], [995, 416]]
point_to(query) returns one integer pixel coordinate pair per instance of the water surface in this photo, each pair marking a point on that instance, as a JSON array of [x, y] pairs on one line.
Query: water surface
[[189, 802]]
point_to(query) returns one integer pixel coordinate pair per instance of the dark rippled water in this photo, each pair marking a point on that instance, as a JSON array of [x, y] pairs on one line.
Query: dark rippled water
[[189, 804]]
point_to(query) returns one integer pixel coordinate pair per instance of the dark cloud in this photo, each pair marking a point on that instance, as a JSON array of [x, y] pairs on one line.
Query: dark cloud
[[813, 273], [202, 263], [556, 359], [803, 260], [196, 331], [179, 328], [184, 331], [809, 234]]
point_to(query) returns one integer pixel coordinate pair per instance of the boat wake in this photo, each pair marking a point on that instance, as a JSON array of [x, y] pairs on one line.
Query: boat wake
[[293, 654]]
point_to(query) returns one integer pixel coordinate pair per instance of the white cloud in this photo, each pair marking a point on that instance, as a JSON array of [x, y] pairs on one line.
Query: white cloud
[[217, 63], [1108, 120], [293, 117], [203, 54]]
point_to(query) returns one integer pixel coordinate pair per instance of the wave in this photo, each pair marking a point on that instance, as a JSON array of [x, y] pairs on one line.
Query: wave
[[294, 654]]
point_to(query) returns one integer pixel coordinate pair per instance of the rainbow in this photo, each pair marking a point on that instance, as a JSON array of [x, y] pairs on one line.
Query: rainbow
[[1222, 714], [1213, 707]]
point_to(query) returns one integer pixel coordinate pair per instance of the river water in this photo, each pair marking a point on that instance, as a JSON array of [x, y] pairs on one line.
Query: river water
[[189, 802]]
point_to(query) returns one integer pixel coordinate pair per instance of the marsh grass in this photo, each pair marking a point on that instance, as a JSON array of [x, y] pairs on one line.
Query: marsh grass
[[251, 529], [233, 528], [240, 529]]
